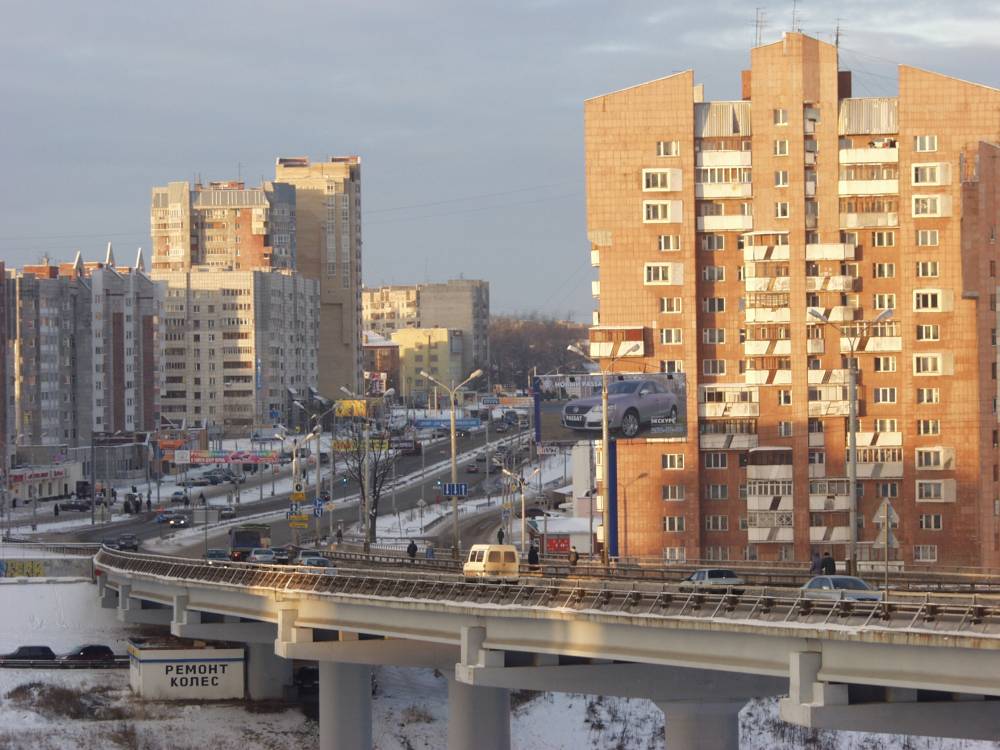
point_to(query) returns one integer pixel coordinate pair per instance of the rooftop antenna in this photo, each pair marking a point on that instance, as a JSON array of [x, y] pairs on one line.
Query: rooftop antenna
[[239, 171], [795, 9], [758, 26], [836, 34]]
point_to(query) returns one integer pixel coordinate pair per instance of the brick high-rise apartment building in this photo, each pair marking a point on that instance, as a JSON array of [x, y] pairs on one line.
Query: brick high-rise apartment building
[[328, 230], [718, 228]]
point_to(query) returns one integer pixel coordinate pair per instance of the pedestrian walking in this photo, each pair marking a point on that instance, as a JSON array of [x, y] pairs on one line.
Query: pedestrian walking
[[411, 550], [829, 565], [149, 503], [340, 535], [533, 557], [201, 498], [816, 565], [573, 557], [429, 552], [500, 536], [55, 510], [187, 501]]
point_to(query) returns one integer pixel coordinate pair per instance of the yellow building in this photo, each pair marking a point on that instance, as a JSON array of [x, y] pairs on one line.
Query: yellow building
[[436, 350]]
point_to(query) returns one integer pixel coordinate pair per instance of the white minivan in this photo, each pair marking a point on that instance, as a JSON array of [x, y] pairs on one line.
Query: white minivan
[[492, 562]]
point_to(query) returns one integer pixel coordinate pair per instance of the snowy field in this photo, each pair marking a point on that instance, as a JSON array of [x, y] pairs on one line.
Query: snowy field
[[91, 710]]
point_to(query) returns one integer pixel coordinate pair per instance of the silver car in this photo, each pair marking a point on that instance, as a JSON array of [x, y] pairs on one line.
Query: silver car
[[840, 587], [631, 404]]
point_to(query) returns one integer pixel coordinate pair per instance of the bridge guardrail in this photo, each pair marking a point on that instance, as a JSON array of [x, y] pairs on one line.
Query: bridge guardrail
[[970, 616]]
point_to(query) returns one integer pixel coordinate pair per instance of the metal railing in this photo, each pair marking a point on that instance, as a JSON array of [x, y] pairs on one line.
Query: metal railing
[[972, 616]]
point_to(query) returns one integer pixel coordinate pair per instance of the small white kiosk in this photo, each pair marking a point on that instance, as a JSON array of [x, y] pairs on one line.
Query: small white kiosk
[[174, 669]]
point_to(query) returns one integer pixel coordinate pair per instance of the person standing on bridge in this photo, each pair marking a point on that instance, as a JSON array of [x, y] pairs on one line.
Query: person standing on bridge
[[816, 566], [411, 550], [201, 498], [429, 552], [500, 535], [340, 535], [573, 557], [533, 557], [829, 566], [149, 502]]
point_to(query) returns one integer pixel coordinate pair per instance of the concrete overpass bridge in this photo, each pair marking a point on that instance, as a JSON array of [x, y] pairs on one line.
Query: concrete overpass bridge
[[915, 664]]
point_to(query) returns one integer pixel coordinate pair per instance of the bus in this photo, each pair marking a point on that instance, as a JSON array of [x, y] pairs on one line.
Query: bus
[[247, 537]]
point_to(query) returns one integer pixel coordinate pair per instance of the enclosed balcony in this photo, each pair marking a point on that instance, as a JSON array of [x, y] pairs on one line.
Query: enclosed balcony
[[870, 155], [723, 190], [730, 223], [727, 158], [769, 463], [830, 251], [869, 220]]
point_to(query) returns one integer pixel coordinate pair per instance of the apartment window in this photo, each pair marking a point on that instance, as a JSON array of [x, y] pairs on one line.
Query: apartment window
[[927, 364], [781, 178], [930, 521], [926, 301], [674, 554], [925, 143], [926, 205], [668, 148], [930, 491], [927, 269], [883, 239], [714, 304], [886, 425], [784, 397], [925, 174], [716, 491], [671, 336], [673, 491], [781, 147], [659, 211], [929, 458], [672, 461], [784, 429], [928, 426], [780, 116], [671, 365], [884, 364], [817, 457], [887, 490], [657, 273], [670, 304], [713, 273], [713, 367], [927, 237], [928, 332], [670, 242], [713, 242], [884, 301], [884, 395], [815, 426], [716, 523], [781, 210], [654, 179], [673, 523], [925, 553], [884, 270], [716, 460], [713, 336], [928, 396]]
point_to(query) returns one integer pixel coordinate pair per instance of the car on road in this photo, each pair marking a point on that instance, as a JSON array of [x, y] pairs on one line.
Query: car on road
[[178, 521], [165, 516], [501, 427], [471, 469], [227, 513], [261, 555], [281, 555], [631, 405], [318, 565], [492, 562], [711, 578], [128, 542], [215, 555], [178, 496], [74, 505], [840, 587], [110, 543], [32, 653], [89, 653], [481, 458]]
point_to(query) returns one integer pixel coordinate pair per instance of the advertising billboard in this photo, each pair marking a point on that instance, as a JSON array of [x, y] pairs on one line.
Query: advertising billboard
[[640, 405]]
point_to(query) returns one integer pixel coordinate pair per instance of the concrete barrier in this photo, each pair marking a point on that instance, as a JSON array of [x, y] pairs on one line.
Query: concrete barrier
[[47, 567]]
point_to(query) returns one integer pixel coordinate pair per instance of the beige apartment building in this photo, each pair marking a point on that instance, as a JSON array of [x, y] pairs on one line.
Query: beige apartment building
[[720, 227], [237, 346], [458, 304], [439, 352], [328, 238], [222, 225]]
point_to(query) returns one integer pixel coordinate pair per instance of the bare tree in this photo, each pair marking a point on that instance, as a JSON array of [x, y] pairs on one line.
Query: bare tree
[[368, 460], [520, 345]]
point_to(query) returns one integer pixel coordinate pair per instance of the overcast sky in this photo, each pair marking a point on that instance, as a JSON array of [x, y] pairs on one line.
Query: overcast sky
[[467, 115]]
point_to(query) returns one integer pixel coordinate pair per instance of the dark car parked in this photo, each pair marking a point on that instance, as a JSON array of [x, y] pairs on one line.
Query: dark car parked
[[32, 653], [89, 653], [128, 542], [74, 505]]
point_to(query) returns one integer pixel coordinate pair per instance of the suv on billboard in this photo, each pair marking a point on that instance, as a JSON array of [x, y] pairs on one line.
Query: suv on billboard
[[632, 404]]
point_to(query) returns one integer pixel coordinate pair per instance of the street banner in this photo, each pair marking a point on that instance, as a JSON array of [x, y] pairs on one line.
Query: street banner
[[221, 457], [445, 424]]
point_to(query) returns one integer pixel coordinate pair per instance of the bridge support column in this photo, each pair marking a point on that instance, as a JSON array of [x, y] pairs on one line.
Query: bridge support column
[[345, 706], [478, 717], [267, 673], [693, 725]]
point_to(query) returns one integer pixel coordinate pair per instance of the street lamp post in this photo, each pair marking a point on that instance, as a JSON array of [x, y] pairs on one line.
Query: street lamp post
[[605, 453], [452, 393], [521, 481], [852, 427]]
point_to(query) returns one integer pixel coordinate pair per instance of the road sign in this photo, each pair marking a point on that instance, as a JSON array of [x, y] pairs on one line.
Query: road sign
[[879, 517], [298, 497], [182, 457], [504, 515], [548, 450], [293, 508], [298, 516], [457, 489], [489, 401], [318, 511], [298, 488], [298, 524]]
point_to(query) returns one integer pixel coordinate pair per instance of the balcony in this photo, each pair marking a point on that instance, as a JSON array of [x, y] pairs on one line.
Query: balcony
[[877, 439], [880, 470], [733, 223], [764, 347], [815, 346], [837, 314], [727, 442], [595, 317], [821, 503], [766, 535], [829, 534], [817, 439], [830, 251], [831, 283], [872, 344], [595, 258], [768, 315], [729, 409], [595, 288], [764, 253], [828, 377], [863, 221], [767, 284], [869, 155], [767, 503], [722, 159], [810, 189], [769, 472], [868, 187], [828, 408], [767, 377], [723, 190]]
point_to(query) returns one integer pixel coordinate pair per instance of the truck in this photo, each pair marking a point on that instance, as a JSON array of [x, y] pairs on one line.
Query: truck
[[247, 537]]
